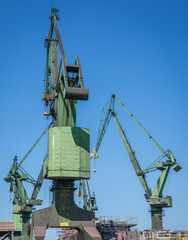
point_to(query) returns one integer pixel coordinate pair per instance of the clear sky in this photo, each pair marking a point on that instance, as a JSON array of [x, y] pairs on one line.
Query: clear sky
[[135, 49]]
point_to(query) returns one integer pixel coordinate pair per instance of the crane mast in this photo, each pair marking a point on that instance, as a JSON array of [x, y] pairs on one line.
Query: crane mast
[[156, 200], [68, 158]]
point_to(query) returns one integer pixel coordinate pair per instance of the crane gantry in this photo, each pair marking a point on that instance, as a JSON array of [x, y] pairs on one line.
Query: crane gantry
[[154, 198]]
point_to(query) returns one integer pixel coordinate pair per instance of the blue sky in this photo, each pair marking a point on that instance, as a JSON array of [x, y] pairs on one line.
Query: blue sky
[[135, 49]]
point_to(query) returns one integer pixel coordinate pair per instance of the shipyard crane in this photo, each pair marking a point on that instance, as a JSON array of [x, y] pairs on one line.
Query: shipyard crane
[[22, 204], [156, 200], [68, 158], [89, 201]]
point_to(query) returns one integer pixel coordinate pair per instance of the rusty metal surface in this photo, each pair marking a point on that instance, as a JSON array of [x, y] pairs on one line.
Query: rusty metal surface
[[92, 231], [40, 231], [7, 226]]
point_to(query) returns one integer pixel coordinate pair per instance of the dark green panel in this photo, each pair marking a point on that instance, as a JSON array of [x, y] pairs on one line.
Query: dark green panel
[[68, 153]]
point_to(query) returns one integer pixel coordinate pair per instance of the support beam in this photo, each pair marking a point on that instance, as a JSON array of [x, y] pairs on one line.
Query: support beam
[[156, 218]]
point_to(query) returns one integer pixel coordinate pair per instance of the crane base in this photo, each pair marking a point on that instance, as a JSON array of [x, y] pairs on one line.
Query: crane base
[[49, 218], [64, 213]]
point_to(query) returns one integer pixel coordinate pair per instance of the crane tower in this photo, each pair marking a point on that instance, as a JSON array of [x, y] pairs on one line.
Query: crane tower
[[68, 156]]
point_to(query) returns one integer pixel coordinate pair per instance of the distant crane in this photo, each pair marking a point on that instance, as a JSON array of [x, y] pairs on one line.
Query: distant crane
[[156, 200], [89, 201], [22, 204]]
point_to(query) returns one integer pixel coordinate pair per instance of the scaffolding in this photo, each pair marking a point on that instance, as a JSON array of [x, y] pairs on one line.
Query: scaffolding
[[67, 234], [109, 228], [153, 235]]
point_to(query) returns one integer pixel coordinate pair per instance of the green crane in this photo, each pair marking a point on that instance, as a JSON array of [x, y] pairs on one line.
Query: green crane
[[22, 204], [156, 200], [68, 158], [89, 201]]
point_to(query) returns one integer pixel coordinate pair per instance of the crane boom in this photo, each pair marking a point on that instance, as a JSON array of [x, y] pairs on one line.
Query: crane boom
[[140, 125], [132, 157], [105, 122], [38, 185]]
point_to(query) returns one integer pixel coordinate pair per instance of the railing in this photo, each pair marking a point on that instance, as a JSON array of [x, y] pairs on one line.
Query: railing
[[153, 235]]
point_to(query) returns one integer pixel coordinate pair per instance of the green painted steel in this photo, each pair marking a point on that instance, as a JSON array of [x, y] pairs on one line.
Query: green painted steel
[[89, 201], [68, 156], [37, 185], [34, 145], [156, 200], [68, 153], [156, 218], [104, 121], [135, 163], [22, 204], [140, 125]]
